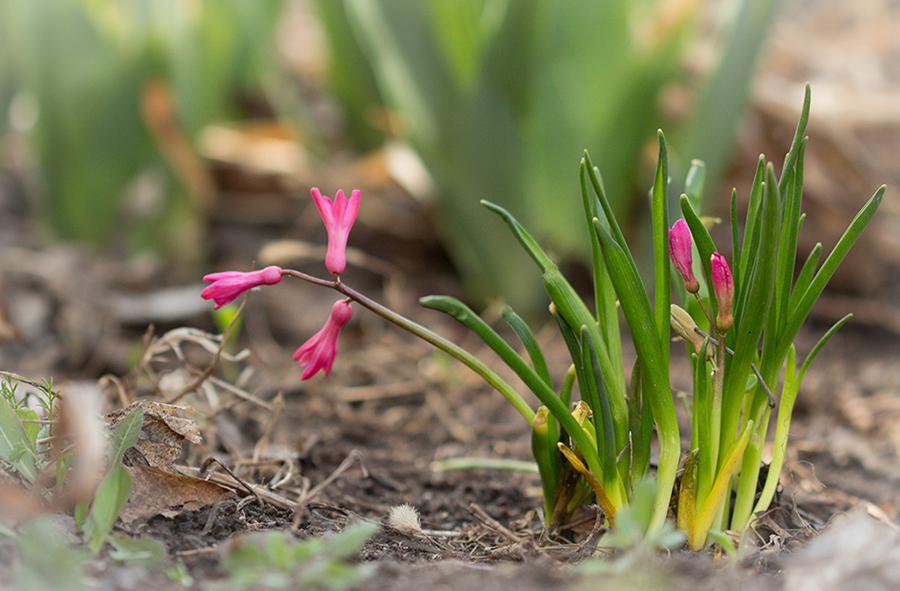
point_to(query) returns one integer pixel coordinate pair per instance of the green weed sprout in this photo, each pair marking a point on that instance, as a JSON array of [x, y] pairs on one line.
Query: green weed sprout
[[599, 446], [25, 446], [272, 560]]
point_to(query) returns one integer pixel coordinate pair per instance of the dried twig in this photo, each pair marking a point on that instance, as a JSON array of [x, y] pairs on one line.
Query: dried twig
[[307, 494], [206, 373]]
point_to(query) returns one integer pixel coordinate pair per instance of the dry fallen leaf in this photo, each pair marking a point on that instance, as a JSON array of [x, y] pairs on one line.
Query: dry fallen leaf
[[155, 487], [162, 433], [155, 492]]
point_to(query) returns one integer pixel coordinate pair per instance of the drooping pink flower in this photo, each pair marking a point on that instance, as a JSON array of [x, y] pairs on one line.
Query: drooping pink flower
[[723, 285], [680, 252], [228, 285], [320, 350], [338, 216]]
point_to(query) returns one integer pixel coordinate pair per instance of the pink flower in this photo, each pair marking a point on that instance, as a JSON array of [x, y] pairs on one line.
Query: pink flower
[[680, 252], [723, 285], [338, 217], [320, 350], [229, 285]]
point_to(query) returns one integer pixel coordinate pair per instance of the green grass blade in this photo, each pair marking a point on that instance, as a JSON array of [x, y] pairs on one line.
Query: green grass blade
[[12, 438], [662, 291], [797, 143], [787, 246], [599, 402], [804, 304], [736, 269], [638, 315], [704, 242], [606, 310], [608, 219], [524, 238], [804, 277], [749, 321], [529, 342], [710, 505], [751, 232], [543, 392]]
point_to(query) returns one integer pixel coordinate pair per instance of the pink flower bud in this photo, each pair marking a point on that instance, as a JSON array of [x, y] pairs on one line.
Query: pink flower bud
[[338, 216], [680, 252], [229, 285], [723, 285], [321, 349]]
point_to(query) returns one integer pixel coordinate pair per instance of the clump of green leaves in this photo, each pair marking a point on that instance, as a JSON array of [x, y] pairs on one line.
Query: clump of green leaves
[[632, 544], [88, 105], [25, 445], [601, 444], [49, 557], [22, 433], [274, 560]]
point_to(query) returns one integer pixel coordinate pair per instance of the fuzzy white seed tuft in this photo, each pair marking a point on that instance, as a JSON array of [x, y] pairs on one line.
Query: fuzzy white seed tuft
[[405, 518]]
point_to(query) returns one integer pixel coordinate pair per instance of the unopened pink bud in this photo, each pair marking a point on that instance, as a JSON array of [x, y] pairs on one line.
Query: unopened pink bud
[[321, 349], [723, 285], [680, 252], [338, 216], [228, 285]]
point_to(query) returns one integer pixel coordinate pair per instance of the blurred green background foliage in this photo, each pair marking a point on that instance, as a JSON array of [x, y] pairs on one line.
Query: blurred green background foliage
[[79, 77], [498, 97]]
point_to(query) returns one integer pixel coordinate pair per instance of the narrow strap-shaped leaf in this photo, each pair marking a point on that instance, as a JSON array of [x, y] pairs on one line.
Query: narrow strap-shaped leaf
[[524, 238], [787, 245], [751, 234], [662, 291], [599, 401], [705, 245], [565, 392], [591, 210], [544, 437], [687, 496], [804, 277], [792, 381], [575, 313], [749, 322], [543, 392], [609, 218], [606, 310], [793, 153], [636, 308], [529, 342], [736, 270], [701, 421], [707, 512], [799, 313], [574, 349], [769, 253]]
